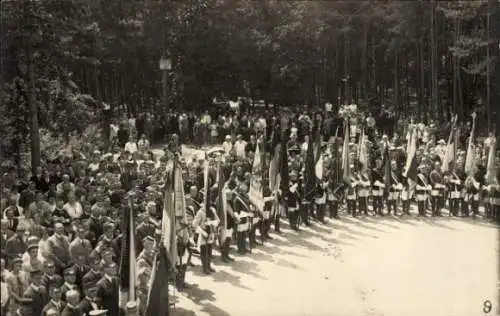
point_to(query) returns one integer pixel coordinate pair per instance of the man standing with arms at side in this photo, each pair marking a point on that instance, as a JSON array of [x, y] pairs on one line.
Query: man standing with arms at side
[[107, 289]]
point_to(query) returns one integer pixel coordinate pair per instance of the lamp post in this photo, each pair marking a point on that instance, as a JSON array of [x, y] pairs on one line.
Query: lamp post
[[165, 67]]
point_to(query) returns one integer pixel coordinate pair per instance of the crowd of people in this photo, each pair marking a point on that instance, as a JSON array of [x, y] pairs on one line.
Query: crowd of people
[[61, 234]]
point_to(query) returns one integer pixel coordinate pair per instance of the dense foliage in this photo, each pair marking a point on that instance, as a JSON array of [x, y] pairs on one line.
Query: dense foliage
[[426, 58]]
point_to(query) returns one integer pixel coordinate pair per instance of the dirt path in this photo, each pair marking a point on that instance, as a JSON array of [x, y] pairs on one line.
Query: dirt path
[[356, 267], [367, 266]]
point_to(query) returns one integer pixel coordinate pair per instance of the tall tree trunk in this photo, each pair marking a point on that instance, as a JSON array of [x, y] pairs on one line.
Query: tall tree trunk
[[396, 83], [364, 60], [433, 54], [347, 97], [373, 87], [422, 94], [33, 109], [460, 98], [488, 71]]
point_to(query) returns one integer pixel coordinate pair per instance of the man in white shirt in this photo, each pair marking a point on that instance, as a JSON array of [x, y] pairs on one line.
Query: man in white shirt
[[303, 147], [441, 149], [227, 145], [131, 145], [239, 146]]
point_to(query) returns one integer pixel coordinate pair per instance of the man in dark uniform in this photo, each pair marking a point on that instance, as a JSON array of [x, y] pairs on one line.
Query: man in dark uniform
[[320, 200], [88, 303], [241, 208], [107, 289], [365, 181], [231, 221], [423, 186], [269, 200], [378, 187], [474, 184], [437, 192], [494, 193], [306, 202], [395, 189], [456, 181], [293, 201], [93, 275], [351, 191]]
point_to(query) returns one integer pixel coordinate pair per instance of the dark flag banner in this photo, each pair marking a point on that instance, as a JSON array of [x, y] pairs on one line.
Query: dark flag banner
[[221, 205], [346, 163], [450, 154], [470, 160], [310, 172], [284, 175], [158, 300], [127, 271], [387, 169], [274, 160], [168, 227]]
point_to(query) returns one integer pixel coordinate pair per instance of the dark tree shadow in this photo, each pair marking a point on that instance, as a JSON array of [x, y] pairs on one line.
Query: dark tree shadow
[[346, 219], [223, 276], [336, 226], [179, 311], [247, 267], [322, 228], [263, 254], [198, 295], [213, 310]]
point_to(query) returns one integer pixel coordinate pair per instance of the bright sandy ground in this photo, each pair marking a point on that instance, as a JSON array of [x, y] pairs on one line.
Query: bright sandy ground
[[365, 266]]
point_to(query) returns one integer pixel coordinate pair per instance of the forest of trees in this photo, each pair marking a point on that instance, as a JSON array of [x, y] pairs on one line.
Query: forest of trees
[[61, 59]]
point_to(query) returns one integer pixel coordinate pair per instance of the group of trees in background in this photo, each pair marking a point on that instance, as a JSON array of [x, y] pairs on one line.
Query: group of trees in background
[[61, 59]]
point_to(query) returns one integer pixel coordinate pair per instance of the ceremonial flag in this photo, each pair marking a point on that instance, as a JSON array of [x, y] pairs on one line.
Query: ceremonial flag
[[411, 168], [274, 161], [221, 203], [284, 176], [450, 153], [206, 198], [470, 163], [127, 260], [317, 139], [180, 209], [491, 170], [387, 169], [346, 163], [309, 172], [256, 194], [318, 168], [168, 233], [180, 198], [158, 300], [363, 154]]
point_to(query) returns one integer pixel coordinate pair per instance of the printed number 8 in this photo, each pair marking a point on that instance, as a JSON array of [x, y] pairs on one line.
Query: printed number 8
[[487, 306]]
